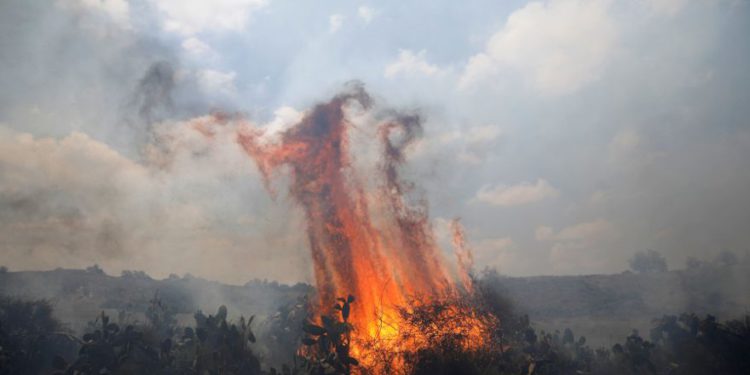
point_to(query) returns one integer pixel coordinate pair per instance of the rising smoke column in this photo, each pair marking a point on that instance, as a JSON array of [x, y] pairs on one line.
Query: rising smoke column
[[369, 244]]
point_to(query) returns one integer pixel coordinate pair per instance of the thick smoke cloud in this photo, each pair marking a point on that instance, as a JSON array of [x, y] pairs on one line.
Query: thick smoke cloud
[[152, 100], [96, 166], [74, 201]]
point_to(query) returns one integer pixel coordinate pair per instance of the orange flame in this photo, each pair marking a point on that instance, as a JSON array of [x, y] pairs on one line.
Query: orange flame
[[375, 246], [464, 255]]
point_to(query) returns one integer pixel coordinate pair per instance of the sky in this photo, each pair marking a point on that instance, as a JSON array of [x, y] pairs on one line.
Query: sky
[[566, 134]]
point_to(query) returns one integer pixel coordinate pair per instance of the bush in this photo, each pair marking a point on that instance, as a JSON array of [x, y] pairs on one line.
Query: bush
[[648, 261], [33, 342], [29, 334]]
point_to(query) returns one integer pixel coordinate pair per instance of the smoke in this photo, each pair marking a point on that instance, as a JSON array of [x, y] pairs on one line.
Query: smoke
[[100, 163], [152, 99]]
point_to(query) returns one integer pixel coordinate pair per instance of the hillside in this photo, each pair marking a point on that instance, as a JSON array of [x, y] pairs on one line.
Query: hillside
[[604, 308], [79, 295]]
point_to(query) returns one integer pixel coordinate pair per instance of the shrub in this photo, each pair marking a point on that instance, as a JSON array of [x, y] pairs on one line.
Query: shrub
[[648, 261]]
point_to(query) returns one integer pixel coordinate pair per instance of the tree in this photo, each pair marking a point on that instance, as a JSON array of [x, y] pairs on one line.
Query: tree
[[648, 261], [27, 335], [727, 258], [693, 263], [95, 269]]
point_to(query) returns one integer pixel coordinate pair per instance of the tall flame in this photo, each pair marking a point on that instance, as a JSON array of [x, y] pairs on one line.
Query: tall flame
[[373, 245], [464, 255]]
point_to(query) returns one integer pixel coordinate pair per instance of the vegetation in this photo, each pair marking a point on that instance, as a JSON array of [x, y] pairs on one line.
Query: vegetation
[[648, 261], [29, 335], [213, 346], [291, 342], [327, 345]]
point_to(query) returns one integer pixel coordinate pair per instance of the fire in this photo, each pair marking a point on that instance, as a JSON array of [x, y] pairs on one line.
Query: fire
[[464, 255], [373, 245]]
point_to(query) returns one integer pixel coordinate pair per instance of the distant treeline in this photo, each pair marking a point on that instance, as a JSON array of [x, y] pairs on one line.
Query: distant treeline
[[716, 287], [32, 341]]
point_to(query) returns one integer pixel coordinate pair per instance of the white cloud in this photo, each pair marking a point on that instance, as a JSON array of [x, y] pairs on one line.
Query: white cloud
[[468, 157], [284, 118], [631, 152], [626, 139], [217, 82], [366, 13], [586, 231], [192, 17], [481, 134], [477, 143], [479, 67], [664, 7], [544, 233], [558, 46], [580, 247], [55, 160], [335, 21], [523, 193], [198, 49], [409, 63], [599, 197], [474, 143], [500, 253], [624, 144], [117, 10]]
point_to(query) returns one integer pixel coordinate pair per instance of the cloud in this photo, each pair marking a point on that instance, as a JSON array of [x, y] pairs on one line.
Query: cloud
[[410, 64], [197, 48], [544, 233], [284, 118], [625, 140], [366, 13], [217, 82], [586, 231], [625, 146], [478, 142], [335, 21], [579, 248], [599, 198], [515, 195], [193, 17], [558, 46], [498, 252], [117, 10], [664, 7], [481, 134], [471, 146]]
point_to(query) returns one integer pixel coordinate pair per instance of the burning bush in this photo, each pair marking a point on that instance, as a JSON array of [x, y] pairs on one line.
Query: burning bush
[[434, 334]]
